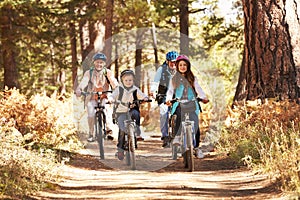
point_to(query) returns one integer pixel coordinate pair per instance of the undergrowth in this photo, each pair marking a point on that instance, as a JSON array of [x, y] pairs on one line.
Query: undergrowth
[[32, 132], [266, 137]]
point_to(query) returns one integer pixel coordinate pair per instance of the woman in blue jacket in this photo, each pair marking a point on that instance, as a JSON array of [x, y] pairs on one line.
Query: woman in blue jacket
[[184, 86]]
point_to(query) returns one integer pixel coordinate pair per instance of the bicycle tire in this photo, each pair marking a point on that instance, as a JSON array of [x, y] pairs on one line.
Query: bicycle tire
[[174, 152], [99, 135], [127, 158], [172, 135], [131, 146], [190, 150]]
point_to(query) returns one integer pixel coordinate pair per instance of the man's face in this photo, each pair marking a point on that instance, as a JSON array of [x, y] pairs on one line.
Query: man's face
[[172, 64], [99, 64]]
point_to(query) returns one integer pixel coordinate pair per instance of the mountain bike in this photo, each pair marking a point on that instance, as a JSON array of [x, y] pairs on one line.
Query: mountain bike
[[187, 134], [130, 133], [100, 120]]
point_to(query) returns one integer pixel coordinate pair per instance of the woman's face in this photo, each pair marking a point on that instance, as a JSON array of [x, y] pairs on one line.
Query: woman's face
[[99, 64], [182, 66], [127, 80]]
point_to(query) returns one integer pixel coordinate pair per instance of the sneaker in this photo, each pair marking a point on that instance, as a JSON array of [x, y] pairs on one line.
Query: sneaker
[[91, 139], [166, 142], [109, 137], [176, 140], [120, 155], [199, 153], [139, 138]]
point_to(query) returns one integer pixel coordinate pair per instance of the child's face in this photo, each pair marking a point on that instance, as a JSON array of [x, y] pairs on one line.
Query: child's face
[[127, 80], [182, 66]]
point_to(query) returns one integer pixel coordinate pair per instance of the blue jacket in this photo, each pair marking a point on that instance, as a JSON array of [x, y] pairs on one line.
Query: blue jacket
[[191, 96]]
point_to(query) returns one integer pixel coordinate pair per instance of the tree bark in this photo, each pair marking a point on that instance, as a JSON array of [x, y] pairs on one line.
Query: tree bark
[[108, 31], [8, 48], [88, 35], [271, 62], [184, 26], [73, 54]]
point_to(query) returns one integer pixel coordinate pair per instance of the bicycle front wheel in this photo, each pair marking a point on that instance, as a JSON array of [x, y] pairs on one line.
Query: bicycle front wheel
[[190, 149], [99, 134], [131, 146]]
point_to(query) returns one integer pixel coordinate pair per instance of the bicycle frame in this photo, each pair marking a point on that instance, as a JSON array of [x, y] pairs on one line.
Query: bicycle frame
[[100, 121], [130, 136], [187, 136]]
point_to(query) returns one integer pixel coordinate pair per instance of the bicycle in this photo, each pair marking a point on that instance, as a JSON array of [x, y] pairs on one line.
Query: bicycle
[[187, 134], [100, 120], [130, 133]]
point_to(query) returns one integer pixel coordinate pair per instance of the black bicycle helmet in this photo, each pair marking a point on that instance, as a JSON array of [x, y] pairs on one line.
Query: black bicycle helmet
[[126, 71]]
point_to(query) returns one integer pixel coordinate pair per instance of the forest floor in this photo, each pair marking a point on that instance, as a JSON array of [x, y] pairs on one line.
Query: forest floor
[[157, 176]]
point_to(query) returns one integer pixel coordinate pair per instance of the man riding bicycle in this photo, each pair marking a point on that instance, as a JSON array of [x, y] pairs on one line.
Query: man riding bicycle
[[160, 86]]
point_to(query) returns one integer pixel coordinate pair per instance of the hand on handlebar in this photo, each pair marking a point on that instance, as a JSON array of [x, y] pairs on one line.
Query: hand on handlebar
[[168, 103], [78, 92], [205, 101], [103, 96]]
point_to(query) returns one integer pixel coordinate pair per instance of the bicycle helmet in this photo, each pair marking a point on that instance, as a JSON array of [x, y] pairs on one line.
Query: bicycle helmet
[[99, 56], [183, 57], [171, 56], [126, 72]]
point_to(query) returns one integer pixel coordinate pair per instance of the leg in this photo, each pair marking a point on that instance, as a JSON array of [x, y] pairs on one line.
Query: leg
[[91, 119], [195, 119], [122, 129], [177, 128], [135, 115], [178, 121], [164, 119], [108, 115]]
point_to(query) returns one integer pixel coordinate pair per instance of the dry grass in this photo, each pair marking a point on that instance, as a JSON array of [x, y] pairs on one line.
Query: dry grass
[[266, 137]]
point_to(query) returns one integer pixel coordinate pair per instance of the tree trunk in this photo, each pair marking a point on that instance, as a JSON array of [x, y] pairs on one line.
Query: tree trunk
[[8, 48], [116, 60], [271, 62], [138, 57], [88, 35], [108, 31], [184, 26], [138, 66]]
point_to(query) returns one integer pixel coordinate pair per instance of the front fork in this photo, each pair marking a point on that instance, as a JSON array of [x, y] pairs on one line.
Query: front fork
[[130, 133], [187, 135]]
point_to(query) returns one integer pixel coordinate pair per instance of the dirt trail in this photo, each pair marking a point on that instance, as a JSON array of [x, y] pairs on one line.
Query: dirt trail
[[157, 177]]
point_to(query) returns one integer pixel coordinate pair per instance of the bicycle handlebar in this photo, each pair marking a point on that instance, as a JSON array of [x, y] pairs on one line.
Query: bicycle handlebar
[[97, 93], [139, 101], [184, 101]]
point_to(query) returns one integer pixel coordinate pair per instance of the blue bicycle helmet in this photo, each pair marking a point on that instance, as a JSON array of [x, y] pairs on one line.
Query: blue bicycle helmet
[[99, 56], [171, 56]]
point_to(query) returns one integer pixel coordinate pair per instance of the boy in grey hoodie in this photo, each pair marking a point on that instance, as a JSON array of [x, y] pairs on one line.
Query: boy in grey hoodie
[[126, 93]]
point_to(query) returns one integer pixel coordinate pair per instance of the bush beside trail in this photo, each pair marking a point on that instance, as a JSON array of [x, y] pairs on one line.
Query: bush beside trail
[[32, 132], [266, 137]]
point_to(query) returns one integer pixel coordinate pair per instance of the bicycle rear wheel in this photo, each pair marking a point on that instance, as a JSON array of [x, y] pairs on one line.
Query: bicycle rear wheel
[[99, 134], [131, 146]]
